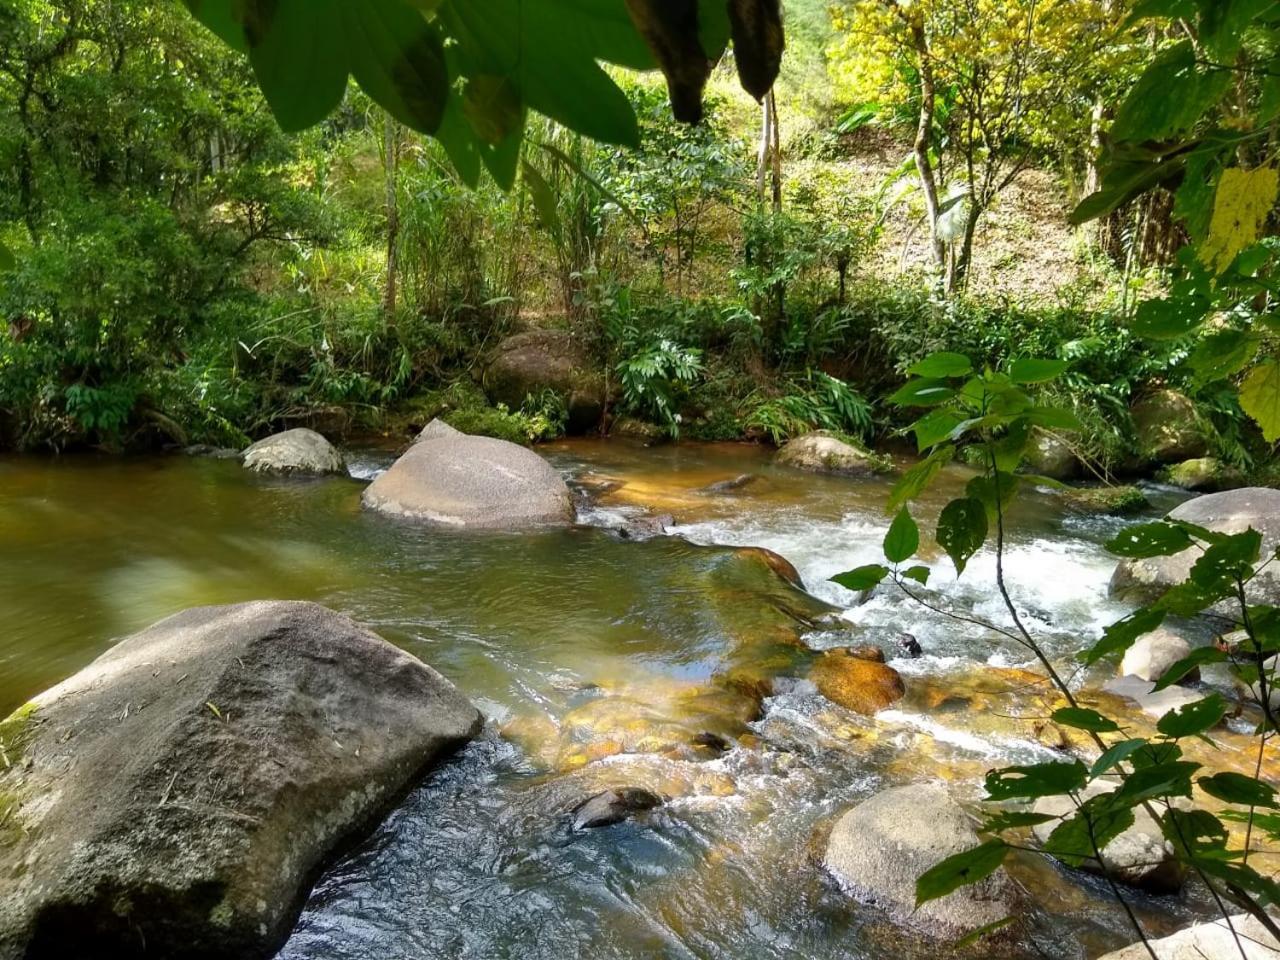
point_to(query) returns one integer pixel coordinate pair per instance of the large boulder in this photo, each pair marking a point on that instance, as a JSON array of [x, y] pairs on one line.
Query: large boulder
[[1139, 856], [1154, 653], [1208, 941], [178, 796], [1048, 455], [856, 683], [1203, 475], [879, 848], [457, 480], [1167, 428], [298, 451], [822, 453], [1233, 511], [530, 363]]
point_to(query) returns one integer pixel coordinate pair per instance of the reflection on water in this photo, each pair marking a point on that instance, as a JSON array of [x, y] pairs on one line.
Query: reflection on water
[[672, 664]]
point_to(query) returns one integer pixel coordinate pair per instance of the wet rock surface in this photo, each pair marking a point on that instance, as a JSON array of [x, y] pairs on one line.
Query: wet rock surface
[[878, 849], [178, 796], [453, 479], [294, 452]]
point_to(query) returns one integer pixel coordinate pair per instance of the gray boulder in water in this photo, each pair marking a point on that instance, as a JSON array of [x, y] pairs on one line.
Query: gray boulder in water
[[822, 453], [1233, 511], [457, 480], [1244, 939], [879, 848], [613, 806], [178, 796], [298, 451]]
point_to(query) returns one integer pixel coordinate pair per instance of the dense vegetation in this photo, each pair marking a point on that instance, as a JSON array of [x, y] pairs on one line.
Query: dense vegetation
[[184, 271]]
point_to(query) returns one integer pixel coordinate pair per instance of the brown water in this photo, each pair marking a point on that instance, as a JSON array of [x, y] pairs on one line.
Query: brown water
[[599, 662]]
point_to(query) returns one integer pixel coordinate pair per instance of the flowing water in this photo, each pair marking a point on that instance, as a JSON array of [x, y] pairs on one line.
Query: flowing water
[[677, 663]]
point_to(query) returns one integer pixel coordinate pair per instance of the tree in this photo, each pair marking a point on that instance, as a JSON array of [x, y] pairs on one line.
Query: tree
[[984, 83], [1200, 121]]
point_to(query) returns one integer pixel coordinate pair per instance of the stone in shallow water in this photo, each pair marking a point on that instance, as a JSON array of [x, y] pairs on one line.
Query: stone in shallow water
[[184, 789], [823, 453], [879, 848], [1139, 856], [613, 806], [860, 685], [1208, 941], [299, 451], [1231, 512], [456, 480], [1154, 653]]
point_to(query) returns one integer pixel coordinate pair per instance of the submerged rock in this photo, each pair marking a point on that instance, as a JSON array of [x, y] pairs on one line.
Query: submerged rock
[[454, 479], [879, 848], [1154, 703], [297, 451], [1048, 455], [645, 528], [1168, 428], [613, 806], [1154, 653], [857, 684], [1204, 475], [1140, 856], [184, 790], [1233, 511], [1208, 941], [775, 562], [823, 453], [733, 485], [1113, 501], [530, 363]]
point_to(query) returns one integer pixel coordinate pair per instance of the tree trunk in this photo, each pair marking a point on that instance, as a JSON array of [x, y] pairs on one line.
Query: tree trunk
[[924, 133], [391, 156]]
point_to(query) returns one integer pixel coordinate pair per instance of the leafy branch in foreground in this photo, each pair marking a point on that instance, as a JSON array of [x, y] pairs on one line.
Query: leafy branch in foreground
[[468, 72], [995, 411]]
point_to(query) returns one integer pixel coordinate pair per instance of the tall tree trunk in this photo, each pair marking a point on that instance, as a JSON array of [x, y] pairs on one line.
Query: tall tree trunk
[[924, 133], [391, 157]]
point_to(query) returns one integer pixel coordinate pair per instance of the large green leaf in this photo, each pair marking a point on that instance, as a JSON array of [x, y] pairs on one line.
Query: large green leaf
[[397, 57], [1170, 97], [1097, 822], [960, 870], [1193, 661], [7, 261], [1149, 540], [1195, 718], [550, 49], [916, 480], [1238, 788], [300, 55], [941, 365], [862, 578], [1122, 634], [1039, 780], [903, 538], [1170, 317], [1082, 718], [1031, 370], [1222, 354], [962, 530]]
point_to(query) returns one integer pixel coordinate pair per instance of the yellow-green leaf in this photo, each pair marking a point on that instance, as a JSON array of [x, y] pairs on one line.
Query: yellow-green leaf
[[1240, 207], [1260, 398]]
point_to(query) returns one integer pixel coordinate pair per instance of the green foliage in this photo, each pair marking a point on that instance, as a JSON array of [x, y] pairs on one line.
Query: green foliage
[[815, 401]]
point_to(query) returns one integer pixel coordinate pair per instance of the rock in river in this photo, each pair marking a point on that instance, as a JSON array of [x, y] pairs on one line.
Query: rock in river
[[458, 480], [178, 796], [1208, 941], [613, 806], [1139, 856], [1231, 512], [823, 453], [857, 684], [1154, 653], [530, 363], [299, 451], [879, 848]]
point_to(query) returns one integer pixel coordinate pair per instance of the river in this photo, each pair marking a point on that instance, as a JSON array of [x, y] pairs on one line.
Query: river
[[597, 661]]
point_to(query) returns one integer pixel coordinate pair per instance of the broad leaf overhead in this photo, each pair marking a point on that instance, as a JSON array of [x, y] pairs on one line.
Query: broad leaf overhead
[[466, 72]]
